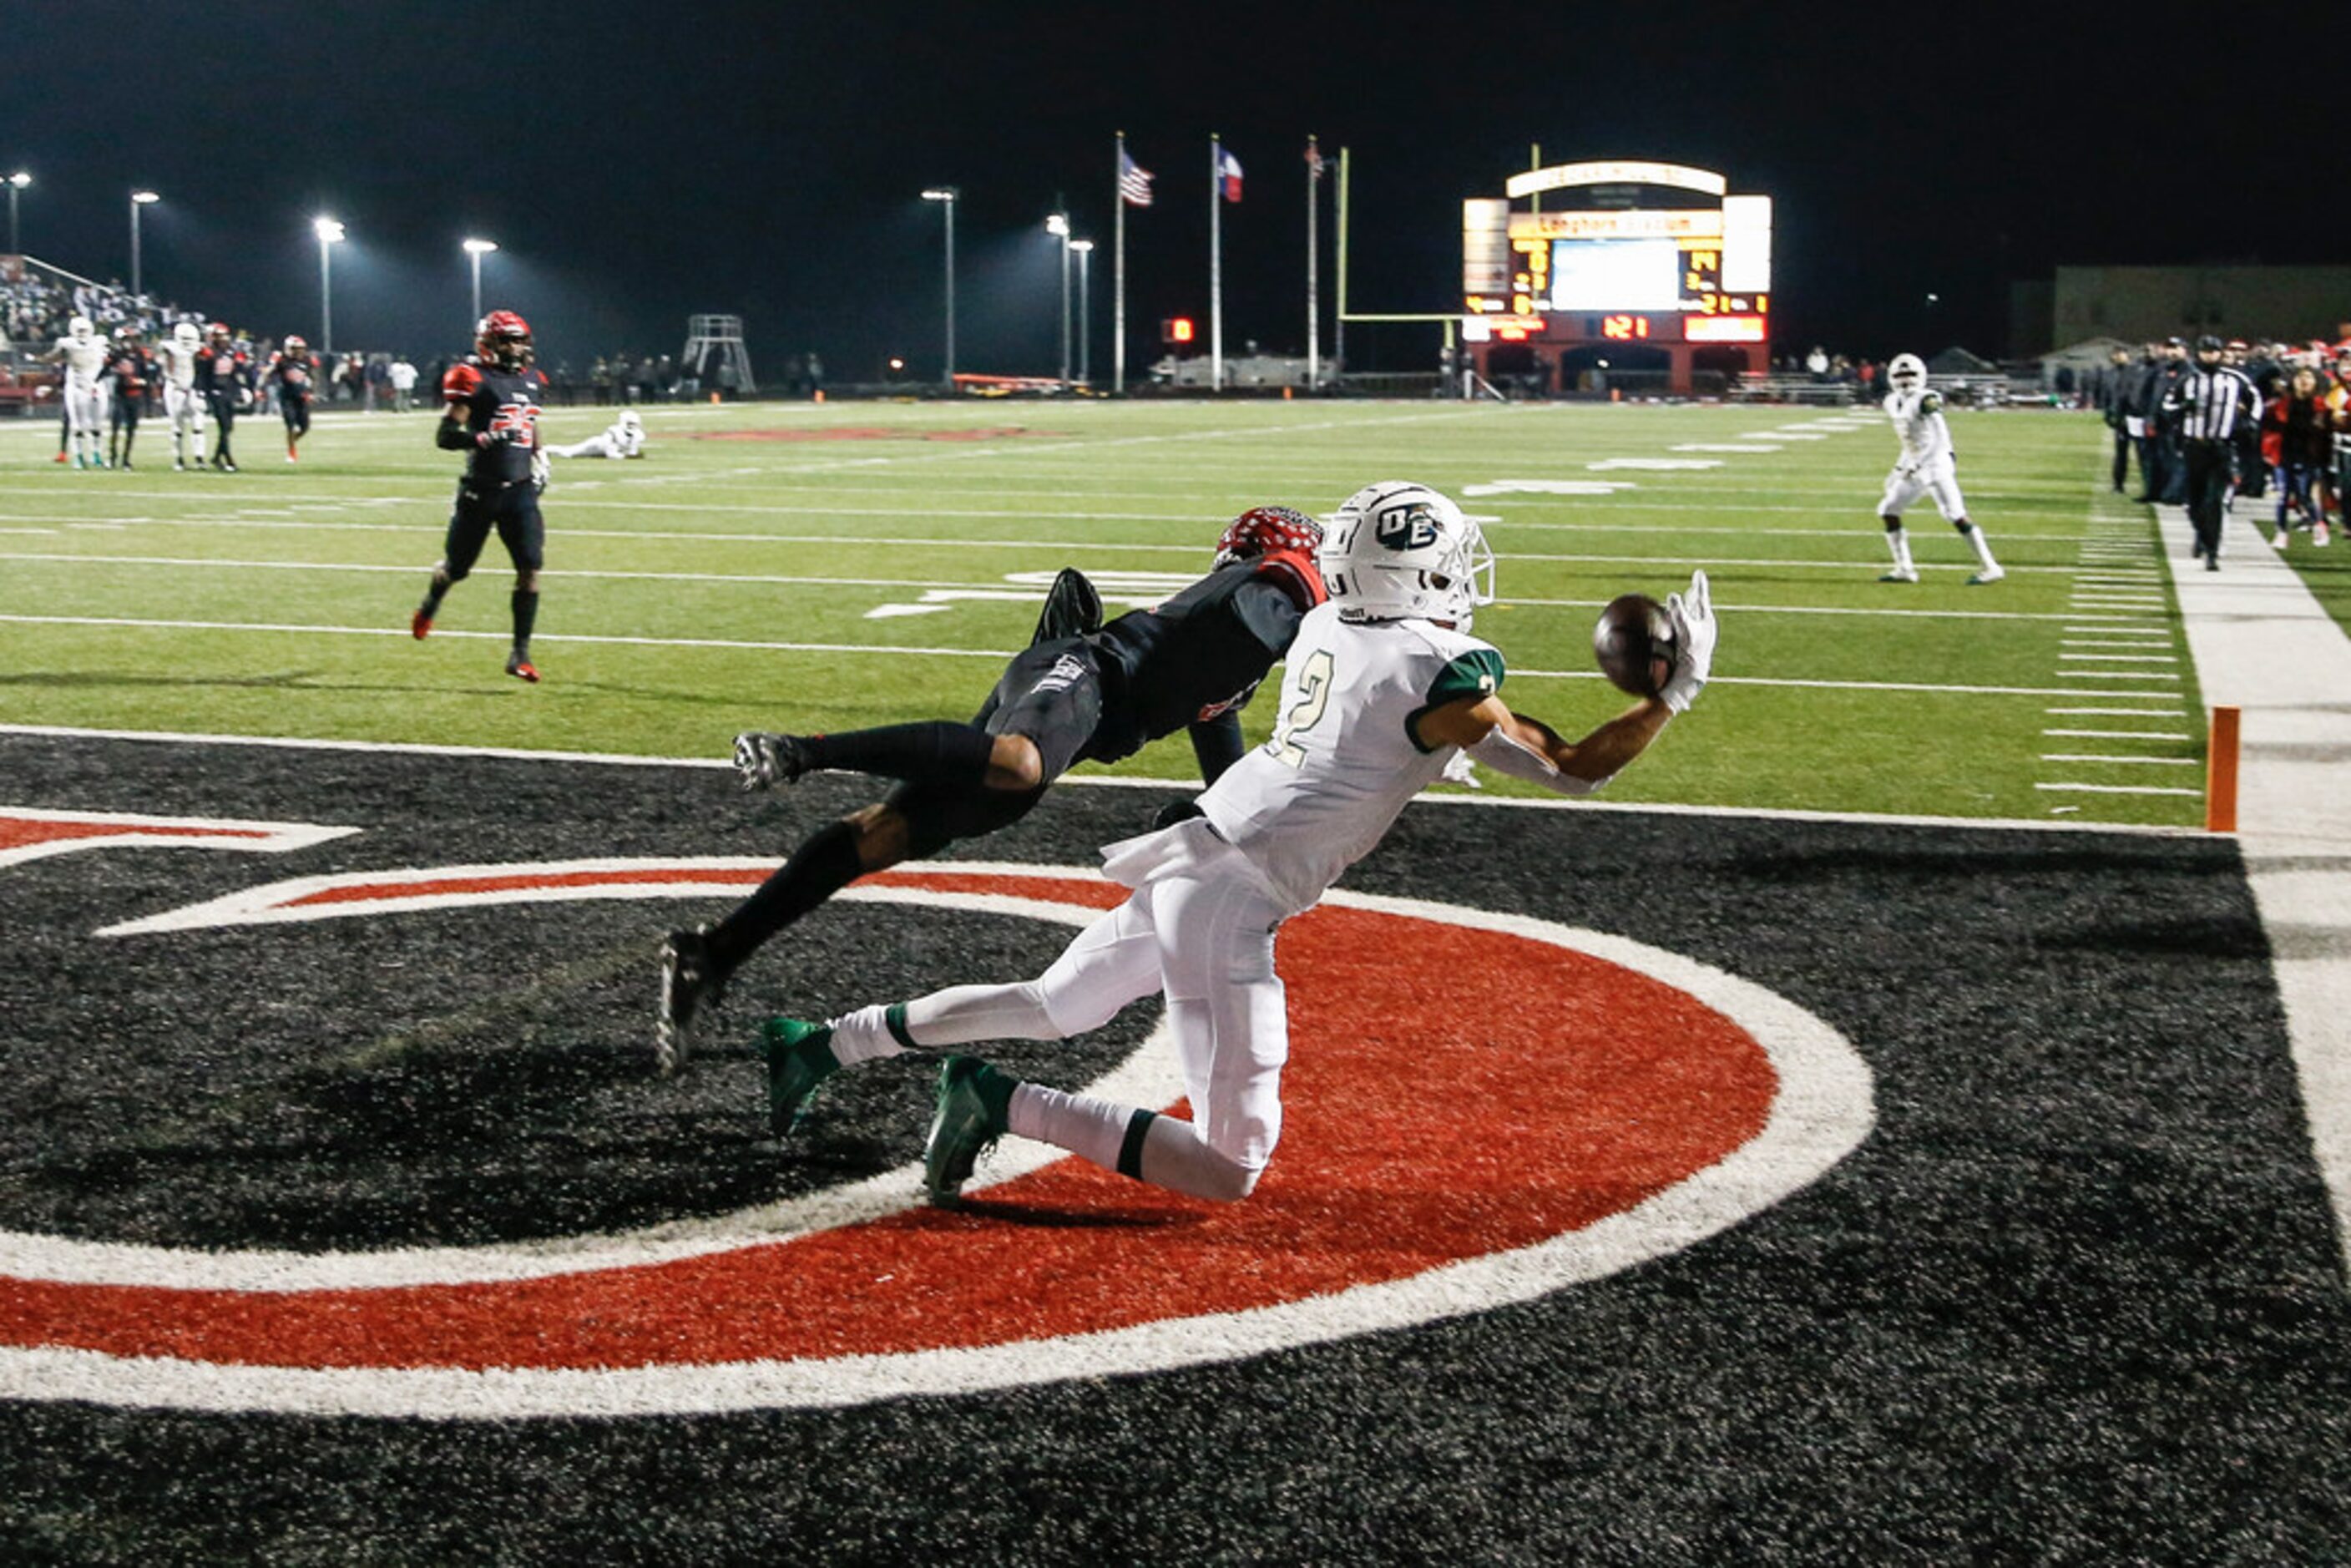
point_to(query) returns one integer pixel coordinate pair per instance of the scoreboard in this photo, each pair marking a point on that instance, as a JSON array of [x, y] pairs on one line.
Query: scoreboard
[[1645, 253]]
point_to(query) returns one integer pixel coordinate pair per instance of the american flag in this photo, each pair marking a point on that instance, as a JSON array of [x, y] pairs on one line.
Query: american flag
[[1228, 175], [1133, 182], [1314, 160]]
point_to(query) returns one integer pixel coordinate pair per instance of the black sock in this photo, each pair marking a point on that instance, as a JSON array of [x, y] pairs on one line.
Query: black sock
[[932, 751], [820, 867], [525, 604], [434, 593]]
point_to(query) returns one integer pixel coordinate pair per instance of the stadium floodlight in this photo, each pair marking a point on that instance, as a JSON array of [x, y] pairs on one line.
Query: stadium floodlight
[[137, 200], [475, 250], [329, 233], [947, 196], [1085, 253], [1058, 224], [17, 182]]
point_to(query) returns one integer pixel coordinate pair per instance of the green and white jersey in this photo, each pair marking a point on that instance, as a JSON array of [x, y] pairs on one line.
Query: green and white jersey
[[1342, 761], [1919, 425]]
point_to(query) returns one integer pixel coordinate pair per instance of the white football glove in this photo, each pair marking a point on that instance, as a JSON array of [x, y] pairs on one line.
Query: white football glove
[[1694, 632]]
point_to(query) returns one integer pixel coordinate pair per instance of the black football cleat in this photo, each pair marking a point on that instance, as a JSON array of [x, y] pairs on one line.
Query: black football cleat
[[691, 985], [767, 760]]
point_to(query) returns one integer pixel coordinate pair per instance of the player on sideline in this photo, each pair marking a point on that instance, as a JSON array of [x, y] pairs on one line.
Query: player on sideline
[[224, 376], [293, 375], [624, 437], [181, 404], [1384, 686], [489, 411], [83, 354], [1927, 466], [1081, 691]]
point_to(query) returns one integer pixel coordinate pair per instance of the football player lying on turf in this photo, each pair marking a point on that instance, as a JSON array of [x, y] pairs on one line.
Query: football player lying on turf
[[1384, 686], [624, 437], [1081, 691]]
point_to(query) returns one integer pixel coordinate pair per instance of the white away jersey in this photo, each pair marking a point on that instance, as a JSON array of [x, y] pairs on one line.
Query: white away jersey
[[1342, 762], [1918, 422], [179, 363], [84, 358]]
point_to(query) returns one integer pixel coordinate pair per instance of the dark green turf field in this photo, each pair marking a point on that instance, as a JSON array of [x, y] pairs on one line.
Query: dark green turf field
[[814, 567]]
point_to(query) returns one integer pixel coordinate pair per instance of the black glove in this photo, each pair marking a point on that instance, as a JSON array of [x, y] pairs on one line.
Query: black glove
[[1175, 812]]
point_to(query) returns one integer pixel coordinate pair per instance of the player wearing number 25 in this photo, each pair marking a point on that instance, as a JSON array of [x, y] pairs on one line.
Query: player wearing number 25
[[1384, 684]]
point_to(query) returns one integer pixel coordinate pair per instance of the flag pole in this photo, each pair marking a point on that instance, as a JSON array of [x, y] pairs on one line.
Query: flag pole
[[1339, 329], [1216, 262], [1118, 270], [1313, 312]]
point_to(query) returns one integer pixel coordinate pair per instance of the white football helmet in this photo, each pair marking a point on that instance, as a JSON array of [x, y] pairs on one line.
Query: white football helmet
[[186, 335], [629, 419], [1396, 548], [1906, 372], [79, 328]]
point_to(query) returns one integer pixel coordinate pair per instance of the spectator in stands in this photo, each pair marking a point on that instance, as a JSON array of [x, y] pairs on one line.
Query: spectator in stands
[[403, 377]]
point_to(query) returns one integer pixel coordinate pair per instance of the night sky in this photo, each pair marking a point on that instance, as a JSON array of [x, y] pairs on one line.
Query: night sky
[[638, 162]]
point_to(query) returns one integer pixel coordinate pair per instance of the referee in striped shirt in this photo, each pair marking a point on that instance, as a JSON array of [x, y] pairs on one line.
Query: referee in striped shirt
[[2217, 410]]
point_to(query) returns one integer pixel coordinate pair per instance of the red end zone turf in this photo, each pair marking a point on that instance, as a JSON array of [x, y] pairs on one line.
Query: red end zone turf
[[1426, 1124]]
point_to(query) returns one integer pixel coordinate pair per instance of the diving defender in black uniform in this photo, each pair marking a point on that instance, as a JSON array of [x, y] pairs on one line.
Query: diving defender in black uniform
[[490, 412], [1081, 691]]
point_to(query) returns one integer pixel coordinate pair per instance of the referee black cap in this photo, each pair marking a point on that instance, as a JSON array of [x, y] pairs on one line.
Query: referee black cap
[[2175, 342], [2208, 343]]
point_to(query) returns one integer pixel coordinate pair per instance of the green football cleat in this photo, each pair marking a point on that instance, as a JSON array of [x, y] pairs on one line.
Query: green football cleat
[[799, 1057], [970, 1116]]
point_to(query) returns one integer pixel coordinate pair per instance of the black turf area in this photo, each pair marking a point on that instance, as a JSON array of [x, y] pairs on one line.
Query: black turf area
[[2077, 1299]]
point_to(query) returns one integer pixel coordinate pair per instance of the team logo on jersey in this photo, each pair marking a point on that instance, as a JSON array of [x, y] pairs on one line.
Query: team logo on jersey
[[1406, 528]]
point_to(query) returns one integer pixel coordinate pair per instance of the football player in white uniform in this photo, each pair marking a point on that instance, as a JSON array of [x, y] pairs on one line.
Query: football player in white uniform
[[1384, 686], [182, 404], [624, 437], [1927, 466], [83, 354]]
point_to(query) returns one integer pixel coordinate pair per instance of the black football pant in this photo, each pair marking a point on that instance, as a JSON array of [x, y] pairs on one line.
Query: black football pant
[[2207, 480], [2122, 457], [224, 410]]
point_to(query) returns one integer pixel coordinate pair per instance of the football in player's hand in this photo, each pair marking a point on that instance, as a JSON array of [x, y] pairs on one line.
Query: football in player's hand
[[1635, 644]]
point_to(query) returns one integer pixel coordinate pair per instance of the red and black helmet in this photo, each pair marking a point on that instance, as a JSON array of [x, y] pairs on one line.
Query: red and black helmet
[[297, 344], [1269, 530], [503, 338]]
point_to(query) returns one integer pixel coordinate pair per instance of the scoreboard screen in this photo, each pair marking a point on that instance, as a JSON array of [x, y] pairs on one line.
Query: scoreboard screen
[[1692, 261], [1616, 275]]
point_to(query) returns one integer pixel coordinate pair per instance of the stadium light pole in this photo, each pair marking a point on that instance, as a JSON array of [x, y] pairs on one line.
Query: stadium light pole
[[138, 198], [1059, 223], [329, 233], [1085, 249], [945, 196], [17, 182], [475, 250]]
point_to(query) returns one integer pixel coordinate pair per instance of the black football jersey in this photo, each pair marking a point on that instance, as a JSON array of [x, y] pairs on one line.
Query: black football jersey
[[1199, 654], [297, 375], [501, 400], [223, 371]]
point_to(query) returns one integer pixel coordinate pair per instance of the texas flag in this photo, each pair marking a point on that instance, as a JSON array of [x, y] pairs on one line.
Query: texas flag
[[1228, 175]]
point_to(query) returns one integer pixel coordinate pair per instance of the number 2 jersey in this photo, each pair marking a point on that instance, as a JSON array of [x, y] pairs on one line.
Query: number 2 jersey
[[500, 400], [1343, 762]]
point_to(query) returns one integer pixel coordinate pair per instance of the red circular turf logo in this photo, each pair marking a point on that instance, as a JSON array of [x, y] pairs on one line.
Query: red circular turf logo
[[1606, 1102]]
